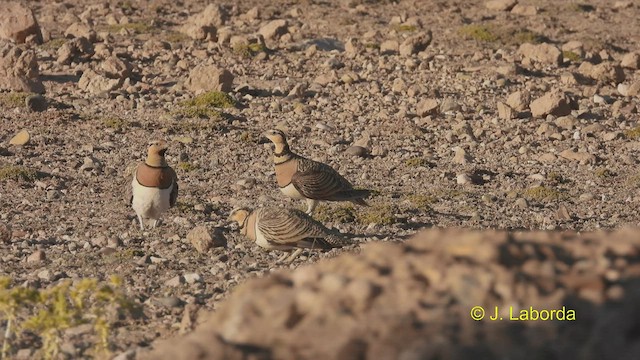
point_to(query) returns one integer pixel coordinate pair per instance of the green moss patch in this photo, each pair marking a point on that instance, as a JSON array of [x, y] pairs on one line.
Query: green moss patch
[[477, 32], [13, 99], [249, 50], [344, 213], [571, 56], [18, 173], [542, 193]]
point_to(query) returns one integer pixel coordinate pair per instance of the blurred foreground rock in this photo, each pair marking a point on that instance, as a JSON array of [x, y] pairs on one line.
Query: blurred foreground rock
[[412, 300]]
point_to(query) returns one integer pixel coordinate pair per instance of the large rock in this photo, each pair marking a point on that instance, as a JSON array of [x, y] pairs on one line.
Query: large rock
[[419, 299], [204, 25], [78, 30], [274, 29], [202, 239], [108, 76], [18, 24], [545, 54], [605, 72], [19, 69], [500, 5], [554, 102], [631, 61], [75, 50], [209, 78], [415, 44]]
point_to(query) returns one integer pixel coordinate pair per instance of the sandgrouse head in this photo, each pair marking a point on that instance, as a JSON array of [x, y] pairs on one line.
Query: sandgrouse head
[[239, 215], [157, 148], [276, 136]]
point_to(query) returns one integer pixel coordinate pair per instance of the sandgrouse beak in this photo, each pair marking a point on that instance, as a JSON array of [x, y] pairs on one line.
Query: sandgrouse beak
[[263, 139]]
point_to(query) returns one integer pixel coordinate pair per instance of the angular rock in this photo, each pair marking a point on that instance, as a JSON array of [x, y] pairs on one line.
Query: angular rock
[[204, 25], [274, 29], [427, 107], [460, 156], [17, 23], [525, 10], [203, 240], [631, 61], [544, 53], [415, 44], [554, 102], [97, 83], [19, 70], [75, 50], [519, 100], [500, 5], [634, 89], [582, 157], [389, 47], [21, 138], [605, 72], [505, 112], [37, 256], [78, 30], [116, 68], [209, 78], [357, 151]]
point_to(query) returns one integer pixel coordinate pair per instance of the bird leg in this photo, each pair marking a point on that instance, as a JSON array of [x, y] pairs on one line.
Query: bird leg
[[293, 256], [155, 223], [141, 222], [311, 206], [281, 258]]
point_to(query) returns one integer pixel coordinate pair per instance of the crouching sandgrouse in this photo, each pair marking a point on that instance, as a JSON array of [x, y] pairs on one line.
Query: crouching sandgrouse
[[277, 228], [154, 185]]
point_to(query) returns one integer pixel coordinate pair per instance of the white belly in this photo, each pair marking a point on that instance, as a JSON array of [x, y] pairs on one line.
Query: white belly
[[262, 242], [150, 202], [291, 192]]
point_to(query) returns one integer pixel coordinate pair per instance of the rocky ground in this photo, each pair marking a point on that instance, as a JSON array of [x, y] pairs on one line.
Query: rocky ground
[[481, 115]]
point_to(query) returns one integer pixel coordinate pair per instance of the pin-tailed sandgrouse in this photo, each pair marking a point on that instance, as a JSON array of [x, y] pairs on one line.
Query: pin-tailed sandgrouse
[[277, 228], [302, 178], [154, 185]]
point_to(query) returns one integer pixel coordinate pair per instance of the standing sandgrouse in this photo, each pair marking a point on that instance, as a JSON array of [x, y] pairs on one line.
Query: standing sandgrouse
[[277, 228], [154, 185], [302, 178]]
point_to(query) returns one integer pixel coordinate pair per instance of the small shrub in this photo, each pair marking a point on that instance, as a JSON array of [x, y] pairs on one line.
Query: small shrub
[[54, 44], [211, 99], [378, 214], [248, 50], [540, 193], [421, 202], [13, 99], [633, 133], [604, 173], [417, 162], [571, 56], [478, 32], [18, 173], [187, 166], [115, 123], [336, 214], [405, 28], [48, 312]]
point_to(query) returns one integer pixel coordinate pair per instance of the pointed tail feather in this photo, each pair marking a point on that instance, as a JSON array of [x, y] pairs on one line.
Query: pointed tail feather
[[360, 202]]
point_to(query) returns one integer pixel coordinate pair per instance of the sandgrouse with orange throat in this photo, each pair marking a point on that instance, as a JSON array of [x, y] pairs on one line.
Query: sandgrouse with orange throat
[[155, 185], [302, 178]]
